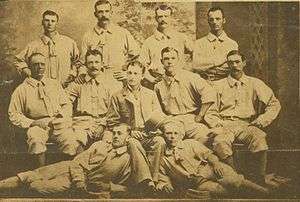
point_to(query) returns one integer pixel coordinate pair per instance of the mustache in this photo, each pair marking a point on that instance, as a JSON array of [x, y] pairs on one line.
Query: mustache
[[103, 18]]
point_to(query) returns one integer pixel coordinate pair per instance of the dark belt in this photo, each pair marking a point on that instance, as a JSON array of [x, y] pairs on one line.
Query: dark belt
[[234, 118]]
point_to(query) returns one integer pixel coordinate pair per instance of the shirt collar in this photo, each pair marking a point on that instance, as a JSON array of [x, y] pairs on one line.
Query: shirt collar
[[232, 81], [33, 82], [162, 36], [98, 79], [46, 39], [110, 29], [127, 90], [176, 77], [211, 37], [121, 150], [169, 151]]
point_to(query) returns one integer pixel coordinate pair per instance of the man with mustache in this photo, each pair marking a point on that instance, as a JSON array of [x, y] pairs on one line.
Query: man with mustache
[[91, 100], [163, 36], [209, 56], [35, 107], [237, 115], [61, 52], [115, 43], [103, 168]]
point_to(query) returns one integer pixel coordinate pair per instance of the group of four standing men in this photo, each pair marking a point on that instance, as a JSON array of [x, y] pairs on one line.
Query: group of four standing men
[[171, 116]]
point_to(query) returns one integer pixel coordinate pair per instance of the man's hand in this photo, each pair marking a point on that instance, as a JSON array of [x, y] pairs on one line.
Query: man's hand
[[137, 135], [80, 79], [96, 132], [218, 169], [258, 123], [42, 123], [120, 75], [199, 118], [118, 188], [26, 72]]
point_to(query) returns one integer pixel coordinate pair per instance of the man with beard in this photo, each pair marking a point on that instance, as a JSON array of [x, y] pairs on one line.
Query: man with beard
[[103, 168], [209, 57], [115, 43], [163, 36], [36, 105], [61, 52], [91, 100]]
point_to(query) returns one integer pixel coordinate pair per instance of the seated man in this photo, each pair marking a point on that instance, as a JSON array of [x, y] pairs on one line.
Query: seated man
[[134, 105], [91, 100], [237, 97], [187, 164], [103, 167], [185, 95], [35, 104]]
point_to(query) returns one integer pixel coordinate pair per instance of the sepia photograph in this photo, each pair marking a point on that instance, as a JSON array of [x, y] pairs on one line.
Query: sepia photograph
[[149, 100]]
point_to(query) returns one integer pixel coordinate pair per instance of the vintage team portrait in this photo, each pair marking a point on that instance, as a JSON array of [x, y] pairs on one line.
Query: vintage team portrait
[[129, 99]]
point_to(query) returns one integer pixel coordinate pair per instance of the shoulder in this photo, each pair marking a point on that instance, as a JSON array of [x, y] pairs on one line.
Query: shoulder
[[149, 40], [67, 38], [147, 91], [201, 40], [88, 33], [256, 82]]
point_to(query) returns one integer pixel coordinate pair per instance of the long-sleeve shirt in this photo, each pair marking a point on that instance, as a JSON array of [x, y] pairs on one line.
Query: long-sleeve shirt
[[184, 93], [61, 52], [183, 162], [150, 54], [116, 44], [135, 111], [100, 165], [211, 51], [33, 100], [92, 97], [237, 98]]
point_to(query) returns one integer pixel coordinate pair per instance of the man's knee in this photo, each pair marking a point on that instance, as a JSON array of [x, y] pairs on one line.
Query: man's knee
[[36, 140], [223, 149], [214, 188], [231, 178], [257, 139]]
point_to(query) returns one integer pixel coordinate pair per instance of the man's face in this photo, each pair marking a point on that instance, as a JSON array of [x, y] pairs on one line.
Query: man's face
[[216, 20], [170, 61], [173, 134], [103, 13], [120, 136], [163, 18], [49, 23], [235, 63], [134, 75], [94, 64], [38, 66]]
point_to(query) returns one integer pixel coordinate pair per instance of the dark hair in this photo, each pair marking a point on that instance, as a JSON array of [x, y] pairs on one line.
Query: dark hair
[[168, 49], [101, 2], [236, 52], [32, 55], [163, 7], [93, 52], [212, 9], [128, 128], [49, 12], [135, 63]]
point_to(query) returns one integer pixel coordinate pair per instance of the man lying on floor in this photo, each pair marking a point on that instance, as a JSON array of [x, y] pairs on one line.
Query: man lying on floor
[[188, 164], [103, 168]]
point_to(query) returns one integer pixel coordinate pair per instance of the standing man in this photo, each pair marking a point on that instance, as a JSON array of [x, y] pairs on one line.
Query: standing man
[[237, 97], [163, 36], [91, 100], [115, 43], [209, 58], [135, 105], [184, 95], [35, 107], [61, 52]]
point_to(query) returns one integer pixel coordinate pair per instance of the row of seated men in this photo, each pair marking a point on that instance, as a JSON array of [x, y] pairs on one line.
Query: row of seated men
[[156, 138]]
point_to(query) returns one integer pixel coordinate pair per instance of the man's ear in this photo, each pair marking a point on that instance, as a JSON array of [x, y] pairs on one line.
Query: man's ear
[[224, 21], [95, 14]]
